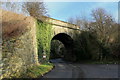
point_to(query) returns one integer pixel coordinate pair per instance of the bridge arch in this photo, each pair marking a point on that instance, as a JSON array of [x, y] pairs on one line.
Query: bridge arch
[[68, 44]]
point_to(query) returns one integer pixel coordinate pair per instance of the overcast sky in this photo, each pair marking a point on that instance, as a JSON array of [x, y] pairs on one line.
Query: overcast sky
[[64, 10]]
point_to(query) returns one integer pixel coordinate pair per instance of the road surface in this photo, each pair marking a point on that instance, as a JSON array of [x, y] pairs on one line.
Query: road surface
[[72, 70]]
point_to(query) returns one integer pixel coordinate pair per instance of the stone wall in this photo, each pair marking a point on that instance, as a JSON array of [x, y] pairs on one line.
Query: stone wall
[[19, 47]]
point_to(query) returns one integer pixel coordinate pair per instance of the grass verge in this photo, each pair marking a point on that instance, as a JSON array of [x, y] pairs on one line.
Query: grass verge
[[38, 70]]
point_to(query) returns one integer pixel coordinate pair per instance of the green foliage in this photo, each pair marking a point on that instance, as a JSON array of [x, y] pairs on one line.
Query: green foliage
[[44, 36], [57, 49], [38, 70], [86, 46]]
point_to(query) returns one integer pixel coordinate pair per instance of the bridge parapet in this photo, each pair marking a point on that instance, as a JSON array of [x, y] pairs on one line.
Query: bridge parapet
[[60, 23]]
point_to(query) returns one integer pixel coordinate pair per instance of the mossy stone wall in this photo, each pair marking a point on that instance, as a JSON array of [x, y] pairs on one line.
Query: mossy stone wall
[[19, 47]]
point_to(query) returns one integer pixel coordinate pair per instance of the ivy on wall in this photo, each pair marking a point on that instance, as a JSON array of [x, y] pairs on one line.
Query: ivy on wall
[[44, 36]]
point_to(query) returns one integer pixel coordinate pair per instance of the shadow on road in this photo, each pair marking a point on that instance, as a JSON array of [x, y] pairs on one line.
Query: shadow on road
[[64, 69]]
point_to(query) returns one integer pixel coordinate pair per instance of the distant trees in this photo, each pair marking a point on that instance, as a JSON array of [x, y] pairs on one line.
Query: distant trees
[[82, 22], [103, 24], [106, 29], [11, 6], [103, 28]]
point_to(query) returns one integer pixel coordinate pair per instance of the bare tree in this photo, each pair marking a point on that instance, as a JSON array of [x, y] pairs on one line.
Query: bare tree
[[35, 9], [103, 24], [11, 6]]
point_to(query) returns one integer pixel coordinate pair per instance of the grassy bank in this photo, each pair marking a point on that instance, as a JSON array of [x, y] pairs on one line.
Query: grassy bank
[[37, 71]]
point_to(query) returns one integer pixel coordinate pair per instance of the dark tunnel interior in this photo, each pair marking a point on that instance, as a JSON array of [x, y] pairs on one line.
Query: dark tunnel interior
[[68, 44]]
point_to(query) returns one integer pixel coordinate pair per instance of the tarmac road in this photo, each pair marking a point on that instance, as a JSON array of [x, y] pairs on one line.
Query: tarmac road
[[73, 70], [99, 70]]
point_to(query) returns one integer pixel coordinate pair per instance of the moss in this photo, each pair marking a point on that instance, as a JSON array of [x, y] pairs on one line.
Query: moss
[[44, 36]]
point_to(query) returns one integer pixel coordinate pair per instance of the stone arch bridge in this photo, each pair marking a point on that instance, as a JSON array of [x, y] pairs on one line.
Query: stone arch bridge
[[18, 44], [64, 32]]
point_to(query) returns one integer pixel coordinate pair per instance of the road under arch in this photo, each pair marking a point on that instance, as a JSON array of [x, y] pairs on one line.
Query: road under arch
[[68, 43]]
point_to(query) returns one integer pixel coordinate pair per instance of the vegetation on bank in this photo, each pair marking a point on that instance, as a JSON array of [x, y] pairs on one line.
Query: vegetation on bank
[[13, 51], [44, 36], [36, 71], [98, 41]]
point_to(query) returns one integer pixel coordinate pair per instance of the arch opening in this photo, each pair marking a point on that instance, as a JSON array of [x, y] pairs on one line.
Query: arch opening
[[65, 47]]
